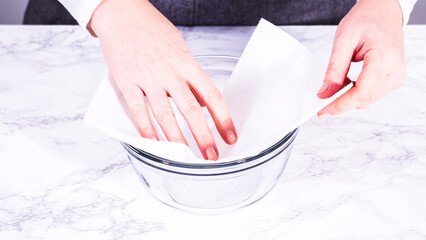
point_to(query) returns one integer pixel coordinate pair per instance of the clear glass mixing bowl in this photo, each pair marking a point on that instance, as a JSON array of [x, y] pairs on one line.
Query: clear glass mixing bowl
[[215, 187]]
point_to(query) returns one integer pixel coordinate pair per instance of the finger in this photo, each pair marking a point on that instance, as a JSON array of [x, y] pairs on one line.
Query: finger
[[135, 100], [338, 66], [199, 100], [364, 93], [165, 116], [194, 116], [341, 104], [216, 104]]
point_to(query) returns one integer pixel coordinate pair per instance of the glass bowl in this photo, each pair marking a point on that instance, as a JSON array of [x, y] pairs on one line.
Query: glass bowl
[[216, 187]]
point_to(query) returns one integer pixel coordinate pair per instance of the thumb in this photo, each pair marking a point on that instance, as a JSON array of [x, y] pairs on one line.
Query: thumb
[[338, 66]]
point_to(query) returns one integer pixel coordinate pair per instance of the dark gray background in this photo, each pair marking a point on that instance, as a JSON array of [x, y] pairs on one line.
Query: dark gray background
[[12, 12]]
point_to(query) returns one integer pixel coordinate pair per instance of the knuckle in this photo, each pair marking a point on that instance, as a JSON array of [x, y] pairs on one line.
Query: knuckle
[[177, 139], [340, 32], [214, 96], [364, 97], [139, 110], [146, 131], [333, 71], [338, 108], [205, 138], [226, 123], [164, 113], [381, 53], [191, 107], [333, 67], [341, 39]]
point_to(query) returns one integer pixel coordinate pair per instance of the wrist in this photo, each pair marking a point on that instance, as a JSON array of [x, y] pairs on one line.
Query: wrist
[[384, 10], [129, 17], [89, 26], [113, 14], [396, 9], [99, 17]]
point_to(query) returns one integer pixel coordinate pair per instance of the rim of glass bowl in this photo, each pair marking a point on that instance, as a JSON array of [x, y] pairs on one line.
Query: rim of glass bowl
[[192, 168], [166, 164], [217, 56]]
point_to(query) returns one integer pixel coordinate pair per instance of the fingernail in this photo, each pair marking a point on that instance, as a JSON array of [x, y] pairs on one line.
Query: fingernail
[[154, 138], [324, 116], [324, 87], [231, 137], [211, 154]]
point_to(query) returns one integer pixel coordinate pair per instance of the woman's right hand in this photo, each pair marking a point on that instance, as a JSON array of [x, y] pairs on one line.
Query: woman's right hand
[[147, 55]]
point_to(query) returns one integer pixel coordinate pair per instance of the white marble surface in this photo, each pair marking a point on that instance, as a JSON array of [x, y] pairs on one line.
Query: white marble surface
[[361, 175]]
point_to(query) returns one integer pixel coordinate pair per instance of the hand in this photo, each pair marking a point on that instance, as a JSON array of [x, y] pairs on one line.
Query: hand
[[147, 55], [370, 32]]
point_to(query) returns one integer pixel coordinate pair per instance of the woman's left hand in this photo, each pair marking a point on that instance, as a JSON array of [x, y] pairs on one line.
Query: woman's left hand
[[370, 32]]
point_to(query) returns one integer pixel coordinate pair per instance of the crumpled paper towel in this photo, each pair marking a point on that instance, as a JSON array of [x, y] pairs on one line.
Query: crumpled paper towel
[[271, 91]]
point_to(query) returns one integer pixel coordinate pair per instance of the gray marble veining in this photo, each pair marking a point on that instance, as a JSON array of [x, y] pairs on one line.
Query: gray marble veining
[[360, 175]]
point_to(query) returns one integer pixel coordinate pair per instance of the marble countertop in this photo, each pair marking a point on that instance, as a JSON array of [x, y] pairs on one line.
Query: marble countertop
[[360, 175]]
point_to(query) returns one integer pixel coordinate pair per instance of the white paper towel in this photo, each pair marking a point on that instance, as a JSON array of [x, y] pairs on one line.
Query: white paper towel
[[271, 92]]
